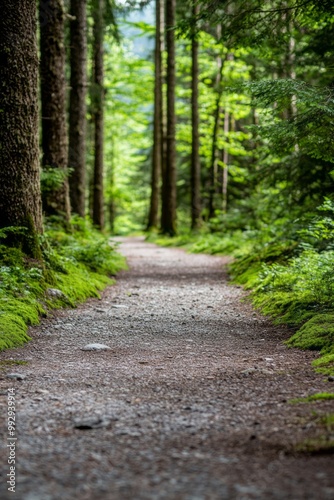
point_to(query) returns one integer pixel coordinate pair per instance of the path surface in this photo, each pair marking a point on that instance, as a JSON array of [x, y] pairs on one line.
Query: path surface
[[191, 397]]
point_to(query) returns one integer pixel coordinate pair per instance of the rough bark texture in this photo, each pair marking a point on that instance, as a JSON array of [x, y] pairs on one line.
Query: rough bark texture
[[168, 216], [195, 159], [98, 100], [20, 198], [53, 95], [157, 125], [77, 115]]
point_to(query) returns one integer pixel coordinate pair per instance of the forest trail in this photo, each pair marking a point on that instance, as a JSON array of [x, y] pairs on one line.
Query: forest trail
[[189, 403]]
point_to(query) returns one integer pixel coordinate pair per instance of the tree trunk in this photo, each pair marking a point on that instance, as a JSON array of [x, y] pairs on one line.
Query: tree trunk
[[213, 169], [157, 125], [53, 96], [98, 102], [168, 216], [77, 112], [20, 197], [225, 161], [195, 159]]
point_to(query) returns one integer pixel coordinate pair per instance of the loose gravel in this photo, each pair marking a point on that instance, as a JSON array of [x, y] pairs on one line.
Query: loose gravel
[[187, 400]]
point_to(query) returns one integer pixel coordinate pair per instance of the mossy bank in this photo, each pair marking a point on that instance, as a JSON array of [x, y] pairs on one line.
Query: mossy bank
[[75, 265]]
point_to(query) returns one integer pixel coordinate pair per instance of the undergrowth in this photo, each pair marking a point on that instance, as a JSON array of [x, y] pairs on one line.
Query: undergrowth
[[75, 266]]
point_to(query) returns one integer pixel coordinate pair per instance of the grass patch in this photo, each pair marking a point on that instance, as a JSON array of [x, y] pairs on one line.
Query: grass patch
[[75, 266], [320, 396], [7, 363]]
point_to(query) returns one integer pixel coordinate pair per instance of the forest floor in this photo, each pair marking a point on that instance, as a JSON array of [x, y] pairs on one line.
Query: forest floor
[[190, 402]]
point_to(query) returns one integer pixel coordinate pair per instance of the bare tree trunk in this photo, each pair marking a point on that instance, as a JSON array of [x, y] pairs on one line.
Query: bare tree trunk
[[195, 159], [157, 126], [98, 118], [168, 216], [77, 113], [53, 96], [20, 197], [213, 169], [225, 161]]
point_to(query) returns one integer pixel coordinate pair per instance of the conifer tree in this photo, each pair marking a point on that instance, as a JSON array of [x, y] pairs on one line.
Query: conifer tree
[[56, 199], [98, 111], [20, 197], [168, 216], [77, 107], [157, 154]]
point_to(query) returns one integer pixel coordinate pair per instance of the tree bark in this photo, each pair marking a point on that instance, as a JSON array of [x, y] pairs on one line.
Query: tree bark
[[77, 111], [195, 159], [157, 155], [20, 197], [56, 201], [98, 118], [168, 216]]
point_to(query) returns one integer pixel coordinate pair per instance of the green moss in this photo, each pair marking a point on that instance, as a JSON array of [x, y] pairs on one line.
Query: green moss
[[13, 331], [79, 284], [29, 310], [317, 333], [325, 364], [320, 396]]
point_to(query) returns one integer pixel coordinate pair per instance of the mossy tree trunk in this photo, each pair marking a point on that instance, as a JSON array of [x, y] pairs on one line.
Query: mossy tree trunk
[[97, 112], [56, 200], [20, 197], [168, 215], [77, 112]]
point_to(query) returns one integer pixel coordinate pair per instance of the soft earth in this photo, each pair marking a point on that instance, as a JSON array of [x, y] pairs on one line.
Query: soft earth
[[190, 402]]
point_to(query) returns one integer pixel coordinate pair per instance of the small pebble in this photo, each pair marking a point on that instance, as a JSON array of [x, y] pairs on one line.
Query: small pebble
[[95, 347], [17, 376]]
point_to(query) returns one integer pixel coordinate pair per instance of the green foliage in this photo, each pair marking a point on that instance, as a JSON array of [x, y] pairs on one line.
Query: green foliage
[[317, 333], [52, 179], [85, 246], [79, 264]]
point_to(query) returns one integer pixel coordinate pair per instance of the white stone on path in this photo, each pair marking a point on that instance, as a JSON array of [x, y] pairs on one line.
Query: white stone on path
[[95, 347]]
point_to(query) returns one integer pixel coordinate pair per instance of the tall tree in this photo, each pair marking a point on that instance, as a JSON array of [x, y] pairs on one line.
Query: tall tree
[[225, 161], [77, 111], [56, 200], [168, 215], [20, 198], [97, 111], [195, 159], [157, 156]]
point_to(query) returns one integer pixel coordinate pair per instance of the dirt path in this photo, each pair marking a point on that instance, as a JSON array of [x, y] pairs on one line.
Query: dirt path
[[189, 403]]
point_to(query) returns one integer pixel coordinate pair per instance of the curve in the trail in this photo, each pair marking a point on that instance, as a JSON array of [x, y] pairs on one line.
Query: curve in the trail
[[190, 401]]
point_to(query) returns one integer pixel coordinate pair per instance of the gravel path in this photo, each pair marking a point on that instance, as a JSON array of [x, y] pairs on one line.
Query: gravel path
[[190, 402]]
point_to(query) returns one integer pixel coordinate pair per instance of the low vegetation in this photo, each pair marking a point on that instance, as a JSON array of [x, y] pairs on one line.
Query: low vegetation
[[76, 265]]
